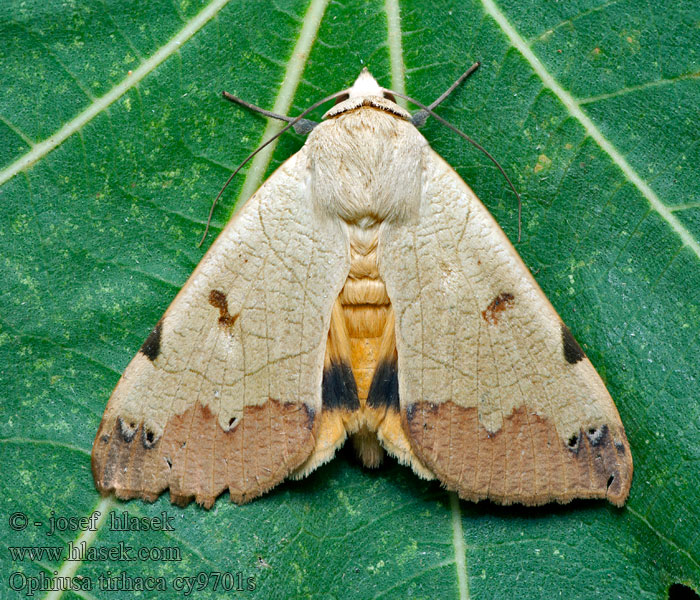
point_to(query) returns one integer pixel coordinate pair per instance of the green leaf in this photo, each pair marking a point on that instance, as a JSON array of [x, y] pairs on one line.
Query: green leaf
[[113, 143]]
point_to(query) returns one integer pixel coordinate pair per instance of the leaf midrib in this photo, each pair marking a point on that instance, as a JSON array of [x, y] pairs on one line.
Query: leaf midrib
[[41, 149]]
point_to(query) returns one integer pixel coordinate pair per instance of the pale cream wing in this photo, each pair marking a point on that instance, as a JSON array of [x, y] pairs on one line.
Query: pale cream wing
[[497, 398], [226, 389]]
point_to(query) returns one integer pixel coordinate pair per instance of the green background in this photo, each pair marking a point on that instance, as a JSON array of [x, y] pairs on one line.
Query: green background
[[592, 108]]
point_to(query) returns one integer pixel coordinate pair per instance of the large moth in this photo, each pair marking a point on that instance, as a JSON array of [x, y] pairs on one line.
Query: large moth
[[362, 291]]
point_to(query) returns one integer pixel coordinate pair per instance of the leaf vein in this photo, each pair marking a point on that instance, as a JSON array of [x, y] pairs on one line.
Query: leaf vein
[[574, 107], [43, 148]]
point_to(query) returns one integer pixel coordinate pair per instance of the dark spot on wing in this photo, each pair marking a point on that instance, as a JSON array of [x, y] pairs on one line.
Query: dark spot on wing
[[573, 443], [572, 351], [410, 412], [310, 417], [678, 591], [148, 438], [218, 300], [425, 407], [339, 388], [151, 347], [598, 435], [384, 390], [127, 429], [500, 303]]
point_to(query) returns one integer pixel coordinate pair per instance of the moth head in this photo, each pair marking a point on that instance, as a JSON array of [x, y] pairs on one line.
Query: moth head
[[366, 92], [365, 85]]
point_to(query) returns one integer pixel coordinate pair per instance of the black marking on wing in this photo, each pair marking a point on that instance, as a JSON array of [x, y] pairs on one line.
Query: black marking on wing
[[339, 388], [598, 436], [149, 438], [384, 390], [574, 443], [572, 351], [310, 417], [127, 429], [151, 347], [425, 407]]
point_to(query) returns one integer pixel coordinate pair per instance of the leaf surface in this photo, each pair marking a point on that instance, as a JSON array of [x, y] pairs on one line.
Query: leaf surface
[[114, 141]]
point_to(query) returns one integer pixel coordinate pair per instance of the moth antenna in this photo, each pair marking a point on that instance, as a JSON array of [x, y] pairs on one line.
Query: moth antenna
[[421, 116], [292, 122], [302, 127], [474, 143]]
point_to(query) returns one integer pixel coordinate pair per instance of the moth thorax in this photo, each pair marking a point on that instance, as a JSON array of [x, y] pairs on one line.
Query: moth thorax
[[366, 163]]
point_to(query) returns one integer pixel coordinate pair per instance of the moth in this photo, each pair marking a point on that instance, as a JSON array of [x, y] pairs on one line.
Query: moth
[[363, 291]]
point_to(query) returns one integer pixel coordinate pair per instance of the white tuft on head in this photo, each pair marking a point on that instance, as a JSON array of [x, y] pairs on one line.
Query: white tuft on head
[[367, 93], [365, 85]]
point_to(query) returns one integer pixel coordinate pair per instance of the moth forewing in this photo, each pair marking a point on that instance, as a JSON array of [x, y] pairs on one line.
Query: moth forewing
[[235, 385], [495, 388], [363, 291]]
